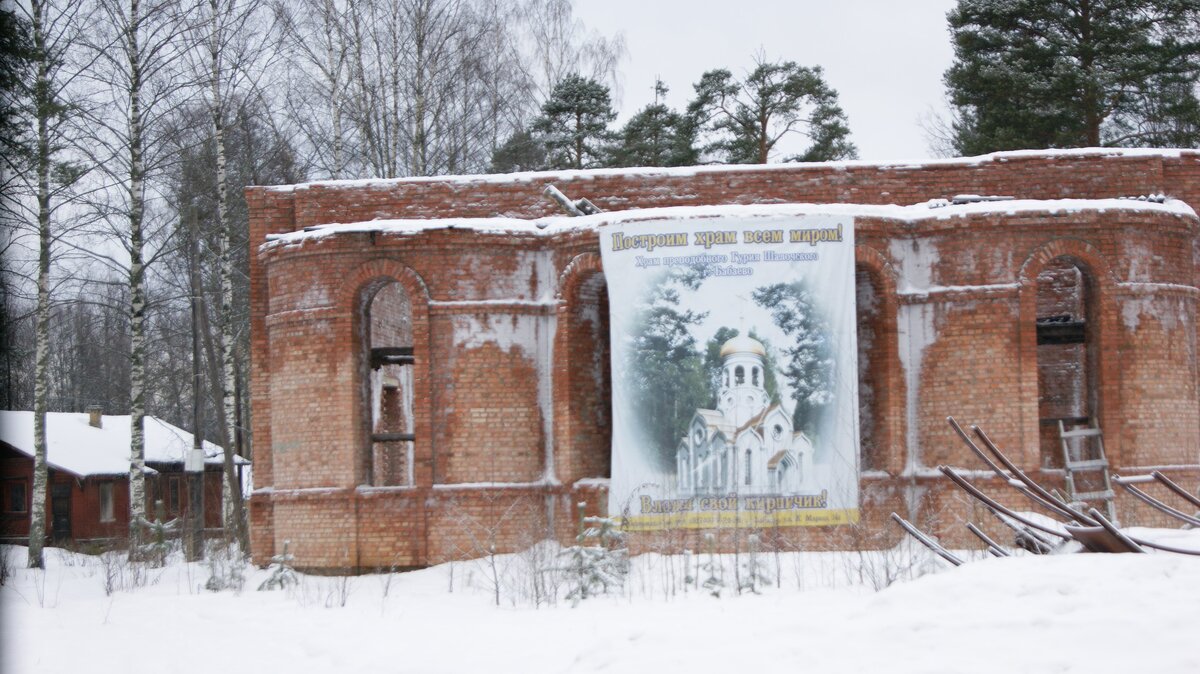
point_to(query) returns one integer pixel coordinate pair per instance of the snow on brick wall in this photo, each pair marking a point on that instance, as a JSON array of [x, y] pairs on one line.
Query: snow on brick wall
[[510, 386]]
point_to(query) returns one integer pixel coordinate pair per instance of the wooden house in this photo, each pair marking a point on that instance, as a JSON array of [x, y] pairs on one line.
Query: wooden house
[[87, 497]]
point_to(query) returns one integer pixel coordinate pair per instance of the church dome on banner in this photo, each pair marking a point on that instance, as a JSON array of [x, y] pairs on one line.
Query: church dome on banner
[[742, 344]]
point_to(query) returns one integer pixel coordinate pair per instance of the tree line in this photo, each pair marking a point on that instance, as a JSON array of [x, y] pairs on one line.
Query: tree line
[[128, 128]]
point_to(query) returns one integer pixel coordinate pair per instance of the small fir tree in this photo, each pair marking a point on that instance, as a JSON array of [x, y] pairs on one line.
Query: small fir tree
[[282, 575], [599, 561]]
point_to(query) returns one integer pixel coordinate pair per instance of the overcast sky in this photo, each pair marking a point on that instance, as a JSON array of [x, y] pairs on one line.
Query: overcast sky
[[884, 57]]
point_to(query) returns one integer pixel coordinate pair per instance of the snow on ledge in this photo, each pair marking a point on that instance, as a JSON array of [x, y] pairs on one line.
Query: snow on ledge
[[691, 171], [937, 209]]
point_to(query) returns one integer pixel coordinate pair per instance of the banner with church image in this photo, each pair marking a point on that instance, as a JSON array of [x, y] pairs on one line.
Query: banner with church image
[[734, 368]]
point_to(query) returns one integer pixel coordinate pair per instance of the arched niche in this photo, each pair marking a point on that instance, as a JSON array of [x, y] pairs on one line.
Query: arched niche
[[389, 357], [880, 386], [583, 373], [1068, 329]]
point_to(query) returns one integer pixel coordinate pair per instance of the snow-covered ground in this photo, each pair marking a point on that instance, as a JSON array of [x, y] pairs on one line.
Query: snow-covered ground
[[1063, 613]]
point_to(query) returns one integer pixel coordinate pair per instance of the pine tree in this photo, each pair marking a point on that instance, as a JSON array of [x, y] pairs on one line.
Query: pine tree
[[521, 152], [16, 52], [745, 119], [574, 123], [656, 136], [1074, 73]]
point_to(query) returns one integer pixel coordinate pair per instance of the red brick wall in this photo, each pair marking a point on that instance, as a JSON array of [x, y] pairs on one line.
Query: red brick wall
[[504, 385]]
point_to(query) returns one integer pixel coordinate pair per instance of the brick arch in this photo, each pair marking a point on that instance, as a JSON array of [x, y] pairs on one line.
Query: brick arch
[[354, 293], [1103, 330], [582, 373], [887, 400], [577, 270]]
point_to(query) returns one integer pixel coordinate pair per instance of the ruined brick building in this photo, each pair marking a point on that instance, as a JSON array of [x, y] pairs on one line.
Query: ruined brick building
[[429, 377]]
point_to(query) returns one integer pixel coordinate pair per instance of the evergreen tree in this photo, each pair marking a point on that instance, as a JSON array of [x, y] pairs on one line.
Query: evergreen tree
[[745, 119], [1073, 73], [656, 136], [809, 355], [16, 52], [521, 152], [574, 123]]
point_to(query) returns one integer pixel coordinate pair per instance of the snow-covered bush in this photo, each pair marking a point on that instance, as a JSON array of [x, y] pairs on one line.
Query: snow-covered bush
[[121, 573], [598, 562], [225, 568], [159, 539], [712, 569], [753, 573], [282, 575]]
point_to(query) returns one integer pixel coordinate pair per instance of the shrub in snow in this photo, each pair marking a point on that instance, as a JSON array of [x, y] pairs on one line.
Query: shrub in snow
[[753, 573], [159, 539], [224, 562], [282, 575], [598, 562], [715, 571]]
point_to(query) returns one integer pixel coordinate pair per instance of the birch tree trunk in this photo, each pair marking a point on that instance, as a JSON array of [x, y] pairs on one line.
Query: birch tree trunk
[[233, 515], [137, 290], [37, 510]]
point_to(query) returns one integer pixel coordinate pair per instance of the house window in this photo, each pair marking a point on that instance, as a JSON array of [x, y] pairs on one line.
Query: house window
[[739, 376], [173, 495], [18, 497], [106, 502]]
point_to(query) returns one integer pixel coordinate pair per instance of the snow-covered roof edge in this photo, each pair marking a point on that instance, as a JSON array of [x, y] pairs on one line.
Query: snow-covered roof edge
[[689, 171], [78, 448], [937, 209]]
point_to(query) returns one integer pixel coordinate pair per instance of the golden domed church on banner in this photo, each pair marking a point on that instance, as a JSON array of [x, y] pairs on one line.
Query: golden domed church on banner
[[747, 445]]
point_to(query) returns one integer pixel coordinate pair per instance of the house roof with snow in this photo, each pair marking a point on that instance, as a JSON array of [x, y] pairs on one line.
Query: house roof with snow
[[75, 446]]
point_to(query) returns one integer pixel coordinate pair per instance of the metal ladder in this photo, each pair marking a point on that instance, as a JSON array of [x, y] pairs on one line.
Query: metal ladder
[[1076, 462]]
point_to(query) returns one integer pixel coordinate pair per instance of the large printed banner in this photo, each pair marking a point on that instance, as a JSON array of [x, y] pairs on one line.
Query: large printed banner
[[734, 370]]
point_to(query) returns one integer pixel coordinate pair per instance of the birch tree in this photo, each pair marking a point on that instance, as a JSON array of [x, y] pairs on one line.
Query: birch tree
[[237, 39], [46, 180], [317, 48], [559, 45], [139, 46]]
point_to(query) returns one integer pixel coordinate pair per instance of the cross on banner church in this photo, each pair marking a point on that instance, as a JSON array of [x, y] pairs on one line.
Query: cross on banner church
[[432, 357]]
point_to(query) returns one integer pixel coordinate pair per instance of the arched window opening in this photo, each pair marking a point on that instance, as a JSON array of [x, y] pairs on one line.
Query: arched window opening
[[1066, 355], [739, 376], [870, 367], [589, 382], [754, 376], [749, 464], [387, 397]]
